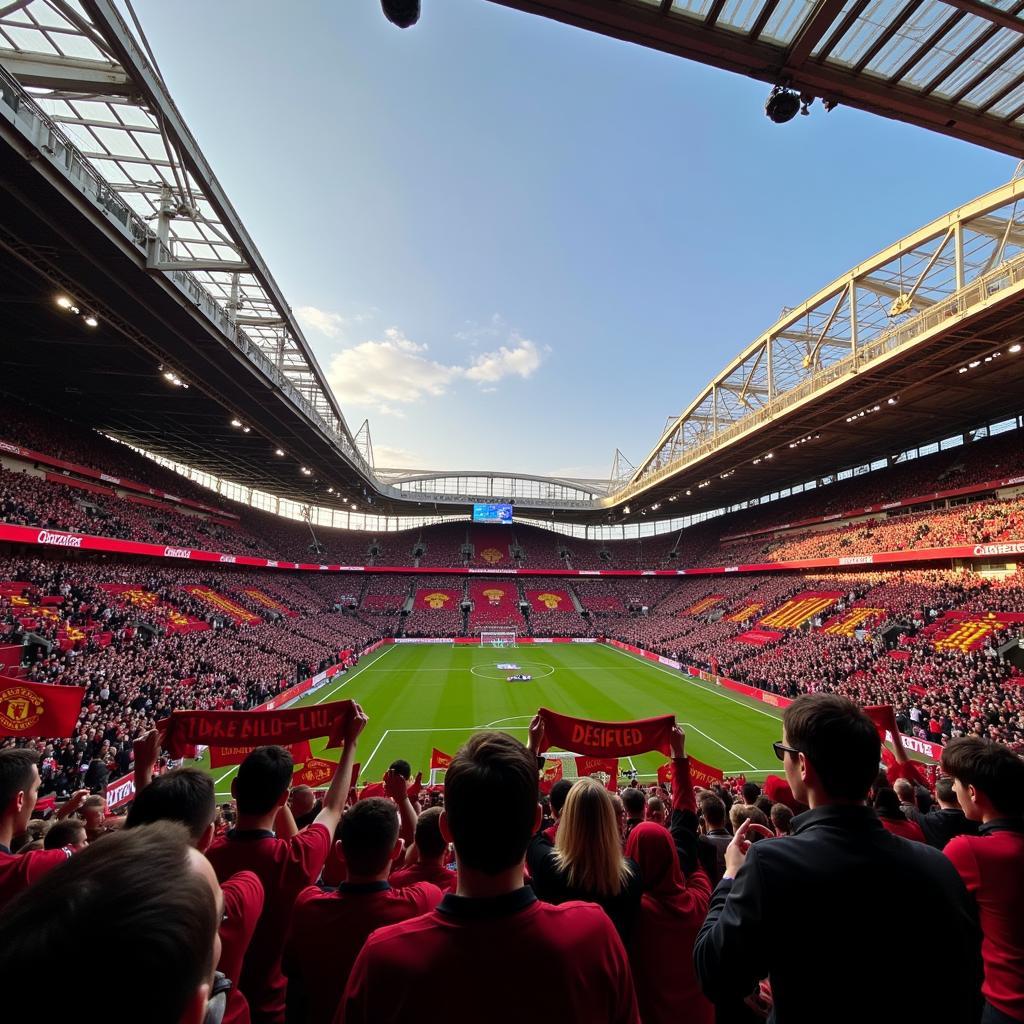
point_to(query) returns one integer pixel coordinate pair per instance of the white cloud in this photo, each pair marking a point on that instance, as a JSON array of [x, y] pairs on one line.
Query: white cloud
[[329, 324], [520, 361], [381, 374], [396, 458], [396, 371]]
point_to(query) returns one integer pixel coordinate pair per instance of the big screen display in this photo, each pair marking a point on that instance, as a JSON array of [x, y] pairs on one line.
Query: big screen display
[[492, 514]]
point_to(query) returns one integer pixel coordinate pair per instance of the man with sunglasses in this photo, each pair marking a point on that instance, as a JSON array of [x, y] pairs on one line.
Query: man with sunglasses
[[811, 909]]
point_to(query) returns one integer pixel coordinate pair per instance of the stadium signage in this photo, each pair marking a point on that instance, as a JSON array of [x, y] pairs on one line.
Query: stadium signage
[[107, 478], [120, 792], [6, 446], [177, 553], [231, 558], [856, 560], [271, 564], [1015, 548], [61, 540]]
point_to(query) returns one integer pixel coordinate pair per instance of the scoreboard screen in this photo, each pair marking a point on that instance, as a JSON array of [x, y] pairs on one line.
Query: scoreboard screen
[[492, 514]]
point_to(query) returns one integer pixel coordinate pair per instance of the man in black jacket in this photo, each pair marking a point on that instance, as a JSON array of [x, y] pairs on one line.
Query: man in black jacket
[[940, 824], [812, 909]]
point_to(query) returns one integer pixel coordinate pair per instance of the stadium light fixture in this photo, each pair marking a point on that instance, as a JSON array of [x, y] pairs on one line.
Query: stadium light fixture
[[236, 423], [279, 451], [626, 510], [245, 430], [893, 400], [403, 13], [91, 321], [1014, 349], [782, 105], [64, 302]]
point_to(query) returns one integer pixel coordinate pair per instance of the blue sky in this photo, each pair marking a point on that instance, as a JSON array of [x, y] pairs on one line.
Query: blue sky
[[515, 245]]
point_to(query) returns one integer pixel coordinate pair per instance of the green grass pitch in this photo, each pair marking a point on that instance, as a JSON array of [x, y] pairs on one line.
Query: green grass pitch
[[435, 695]]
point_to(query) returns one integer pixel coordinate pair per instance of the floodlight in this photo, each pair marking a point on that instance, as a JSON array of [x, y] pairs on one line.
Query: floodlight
[[782, 104], [403, 13]]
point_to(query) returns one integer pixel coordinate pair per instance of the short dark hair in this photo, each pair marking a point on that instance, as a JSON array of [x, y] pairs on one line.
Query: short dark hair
[[368, 832], [429, 840], [887, 803], [184, 795], [136, 885], [263, 778], [490, 795], [945, 792], [751, 791], [782, 817], [64, 832], [764, 805], [991, 768], [838, 739], [713, 809], [634, 801], [16, 764], [559, 791], [401, 767]]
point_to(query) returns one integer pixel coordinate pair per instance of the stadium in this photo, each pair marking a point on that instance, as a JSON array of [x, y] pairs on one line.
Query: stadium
[[202, 560]]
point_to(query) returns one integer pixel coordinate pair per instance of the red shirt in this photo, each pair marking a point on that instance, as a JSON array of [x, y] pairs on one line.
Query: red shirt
[[990, 865], [285, 867], [906, 828], [436, 874], [243, 904], [506, 960], [20, 870], [328, 931]]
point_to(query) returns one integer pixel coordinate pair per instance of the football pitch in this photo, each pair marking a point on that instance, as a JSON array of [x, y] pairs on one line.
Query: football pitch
[[435, 695]]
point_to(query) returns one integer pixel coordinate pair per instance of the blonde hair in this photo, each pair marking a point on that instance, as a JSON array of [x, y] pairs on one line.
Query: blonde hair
[[588, 845]]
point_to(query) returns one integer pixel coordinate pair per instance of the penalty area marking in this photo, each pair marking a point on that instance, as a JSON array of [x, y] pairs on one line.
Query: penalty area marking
[[690, 725], [524, 667]]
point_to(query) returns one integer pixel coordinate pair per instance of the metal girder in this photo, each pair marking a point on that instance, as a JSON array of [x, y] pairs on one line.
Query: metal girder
[[68, 74]]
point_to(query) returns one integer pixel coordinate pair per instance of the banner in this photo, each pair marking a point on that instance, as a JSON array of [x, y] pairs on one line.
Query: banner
[[551, 774], [759, 637], [549, 600], [120, 792], [439, 759], [238, 728], [222, 756], [588, 766], [38, 709], [315, 772], [704, 775], [798, 609], [242, 616], [606, 739]]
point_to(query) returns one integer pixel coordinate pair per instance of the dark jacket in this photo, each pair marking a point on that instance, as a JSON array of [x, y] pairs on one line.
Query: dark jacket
[[814, 910], [941, 824]]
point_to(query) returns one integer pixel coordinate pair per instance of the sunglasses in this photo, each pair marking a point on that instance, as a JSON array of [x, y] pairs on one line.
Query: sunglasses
[[781, 750]]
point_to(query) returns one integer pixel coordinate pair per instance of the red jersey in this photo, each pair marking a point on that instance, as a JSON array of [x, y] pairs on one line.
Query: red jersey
[[243, 904], [20, 870], [990, 865], [905, 828], [285, 867], [436, 874], [505, 959], [329, 929]]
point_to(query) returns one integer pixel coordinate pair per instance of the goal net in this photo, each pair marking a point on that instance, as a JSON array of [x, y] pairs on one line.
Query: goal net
[[498, 638]]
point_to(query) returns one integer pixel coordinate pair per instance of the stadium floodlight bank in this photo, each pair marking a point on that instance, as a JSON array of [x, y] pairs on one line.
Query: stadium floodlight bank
[[498, 638]]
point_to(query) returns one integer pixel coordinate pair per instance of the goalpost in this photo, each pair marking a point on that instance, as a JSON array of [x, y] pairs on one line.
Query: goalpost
[[498, 638]]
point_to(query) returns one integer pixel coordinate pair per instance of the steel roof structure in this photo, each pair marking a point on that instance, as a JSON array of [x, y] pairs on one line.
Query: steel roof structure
[[952, 66], [110, 204]]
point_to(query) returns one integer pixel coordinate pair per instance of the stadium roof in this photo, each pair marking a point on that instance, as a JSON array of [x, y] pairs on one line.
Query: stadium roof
[[110, 203], [952, 66]]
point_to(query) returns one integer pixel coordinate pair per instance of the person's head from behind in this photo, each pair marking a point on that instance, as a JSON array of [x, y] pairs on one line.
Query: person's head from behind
[[782, 819], [830, 750], [987, 778], [635, 803], [654, 851], [712, 807], [656, 810], [751, 791], [301, 800], [429, 841], [144, 892], [588, 845], [184, 795], [401, 767], [66, 832], [490, 803], [19, 788], [904, 789], [94, 810], [946, 794], [559, 791], [369, 837], [740, 813], [887, 803], [620, 813], [261, 785]]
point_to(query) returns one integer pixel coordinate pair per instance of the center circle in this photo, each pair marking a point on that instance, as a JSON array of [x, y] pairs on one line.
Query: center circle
[[493, 672]]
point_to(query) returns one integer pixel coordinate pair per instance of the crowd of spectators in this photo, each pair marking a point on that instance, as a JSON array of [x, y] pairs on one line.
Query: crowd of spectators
[[644, 903]]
